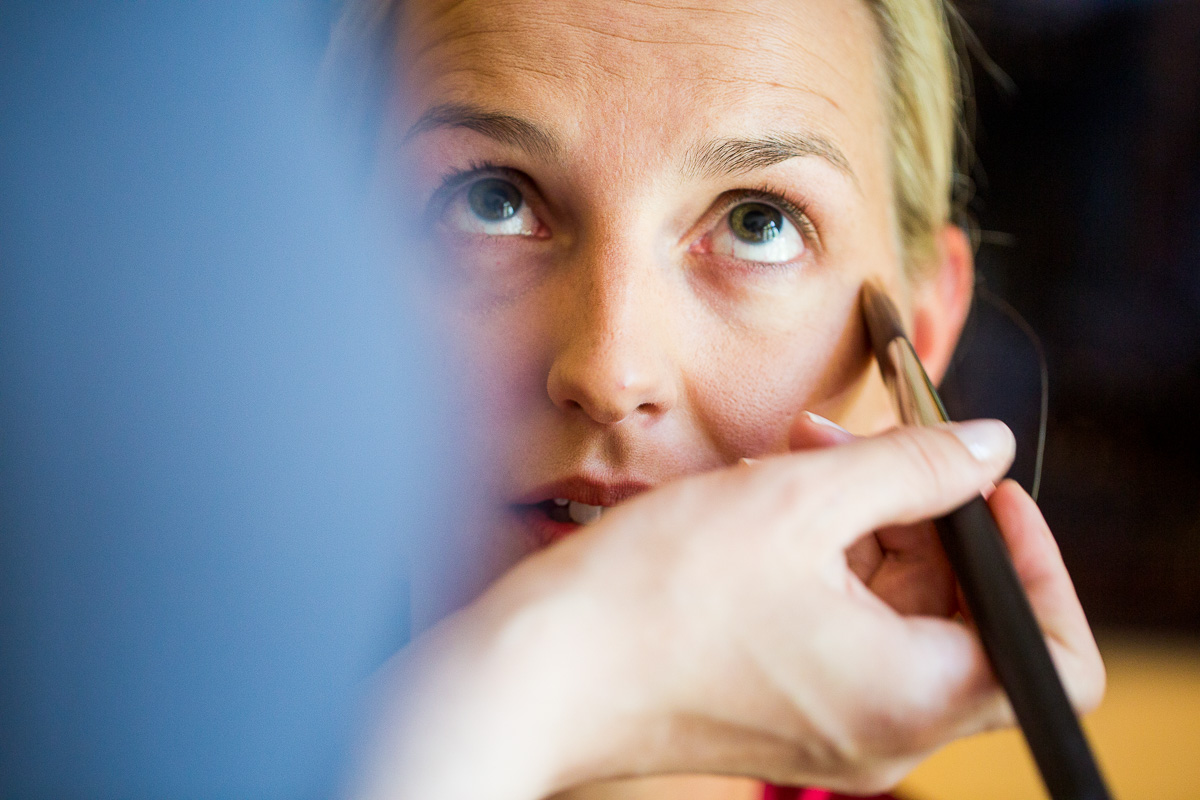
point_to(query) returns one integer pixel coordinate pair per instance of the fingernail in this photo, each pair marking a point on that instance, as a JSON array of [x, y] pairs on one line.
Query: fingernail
[[817, 419], [987, 439]]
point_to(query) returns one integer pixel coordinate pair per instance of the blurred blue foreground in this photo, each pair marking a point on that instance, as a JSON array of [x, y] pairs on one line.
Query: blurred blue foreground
[[210, 409]]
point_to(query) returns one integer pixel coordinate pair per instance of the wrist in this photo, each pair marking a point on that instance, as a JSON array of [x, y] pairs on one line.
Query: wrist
[[559, 657], [512, 697]]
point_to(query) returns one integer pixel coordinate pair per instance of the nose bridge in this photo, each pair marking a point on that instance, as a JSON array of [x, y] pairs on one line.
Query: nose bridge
[[613, 358]]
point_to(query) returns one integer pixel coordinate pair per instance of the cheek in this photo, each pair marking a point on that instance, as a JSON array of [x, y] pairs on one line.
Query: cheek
[[752, 382], [503, 357], [485, 275]]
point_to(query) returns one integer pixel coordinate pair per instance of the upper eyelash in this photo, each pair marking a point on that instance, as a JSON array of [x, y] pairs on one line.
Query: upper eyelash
[[456, 177], [454, 180], [797, 212]]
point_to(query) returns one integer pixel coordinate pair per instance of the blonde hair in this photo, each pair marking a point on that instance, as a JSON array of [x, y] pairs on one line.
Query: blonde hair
[[930, 146]]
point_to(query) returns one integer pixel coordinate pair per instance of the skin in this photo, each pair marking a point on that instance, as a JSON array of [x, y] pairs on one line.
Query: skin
[[620, 338], [612, 345], [781, 663]]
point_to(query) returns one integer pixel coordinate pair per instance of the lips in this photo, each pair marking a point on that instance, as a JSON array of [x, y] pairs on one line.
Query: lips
[[556, 510], [586, 490]]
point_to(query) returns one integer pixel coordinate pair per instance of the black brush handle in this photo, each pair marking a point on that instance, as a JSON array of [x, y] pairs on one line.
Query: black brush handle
[[1018, 653]]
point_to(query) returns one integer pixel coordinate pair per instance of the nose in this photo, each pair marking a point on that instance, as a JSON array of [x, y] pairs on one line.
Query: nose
[[612, 360]]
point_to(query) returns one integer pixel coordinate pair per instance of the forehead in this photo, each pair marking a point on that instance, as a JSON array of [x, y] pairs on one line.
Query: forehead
[[642, 78]]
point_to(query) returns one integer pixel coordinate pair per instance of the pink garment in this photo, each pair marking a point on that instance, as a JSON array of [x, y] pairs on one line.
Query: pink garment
[[771, 792]]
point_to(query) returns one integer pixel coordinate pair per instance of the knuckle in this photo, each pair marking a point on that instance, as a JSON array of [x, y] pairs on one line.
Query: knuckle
[[878, 777], [997, 714], [916, 716], [1092, 686], [886, 730]]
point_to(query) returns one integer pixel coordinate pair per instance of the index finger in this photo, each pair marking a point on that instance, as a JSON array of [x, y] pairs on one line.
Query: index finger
[[905, 475]]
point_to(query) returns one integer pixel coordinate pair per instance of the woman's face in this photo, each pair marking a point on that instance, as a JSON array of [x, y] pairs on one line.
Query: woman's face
[[655, 225]]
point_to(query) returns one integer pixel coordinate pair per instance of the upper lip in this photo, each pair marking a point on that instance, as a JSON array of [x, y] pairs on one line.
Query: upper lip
[[586, 490]]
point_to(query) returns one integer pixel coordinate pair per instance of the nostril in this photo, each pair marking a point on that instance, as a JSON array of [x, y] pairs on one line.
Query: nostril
[[603, 386]]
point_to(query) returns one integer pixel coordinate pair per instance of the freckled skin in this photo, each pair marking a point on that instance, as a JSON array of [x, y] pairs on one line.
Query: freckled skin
[[611, 345]]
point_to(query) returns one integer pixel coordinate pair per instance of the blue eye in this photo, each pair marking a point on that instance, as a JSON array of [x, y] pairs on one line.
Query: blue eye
[[492, 207], [759, 232], [494, 200]]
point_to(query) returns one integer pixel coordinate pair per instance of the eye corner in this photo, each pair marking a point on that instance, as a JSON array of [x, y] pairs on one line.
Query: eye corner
[[702, 246]]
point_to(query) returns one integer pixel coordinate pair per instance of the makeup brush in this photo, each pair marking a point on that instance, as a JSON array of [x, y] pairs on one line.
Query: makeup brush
[[1009, 632]]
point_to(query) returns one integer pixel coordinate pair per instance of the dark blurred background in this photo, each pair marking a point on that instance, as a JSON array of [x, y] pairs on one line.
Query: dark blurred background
[[1088, 202]]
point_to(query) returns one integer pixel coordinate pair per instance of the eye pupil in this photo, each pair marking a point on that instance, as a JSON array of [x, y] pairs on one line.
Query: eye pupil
[[756, 223], [494, 200]]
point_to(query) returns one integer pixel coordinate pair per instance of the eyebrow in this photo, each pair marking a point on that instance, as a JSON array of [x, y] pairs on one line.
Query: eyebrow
[[503, 128], [728, 156], [733, 156]]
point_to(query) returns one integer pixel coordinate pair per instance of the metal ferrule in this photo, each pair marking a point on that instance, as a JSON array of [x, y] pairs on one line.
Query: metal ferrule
[[916, 400]]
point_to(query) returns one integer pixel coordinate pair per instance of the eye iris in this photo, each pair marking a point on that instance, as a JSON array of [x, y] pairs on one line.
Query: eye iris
[[494, 200], [756, 223]]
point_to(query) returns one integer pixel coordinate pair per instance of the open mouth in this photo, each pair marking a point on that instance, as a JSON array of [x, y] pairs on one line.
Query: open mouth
[[556, 510], [554, 519], [560, 509]]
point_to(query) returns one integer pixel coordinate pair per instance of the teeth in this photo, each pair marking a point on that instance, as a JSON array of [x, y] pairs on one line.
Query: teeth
[[582, 513], [561, 501]]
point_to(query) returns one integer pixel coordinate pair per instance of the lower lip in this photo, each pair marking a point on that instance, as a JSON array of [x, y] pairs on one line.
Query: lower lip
[[545, 530]]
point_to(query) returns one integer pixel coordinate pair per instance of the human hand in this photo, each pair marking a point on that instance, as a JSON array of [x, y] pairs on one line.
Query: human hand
[[718, 625], [907, 568], [904, 565]]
